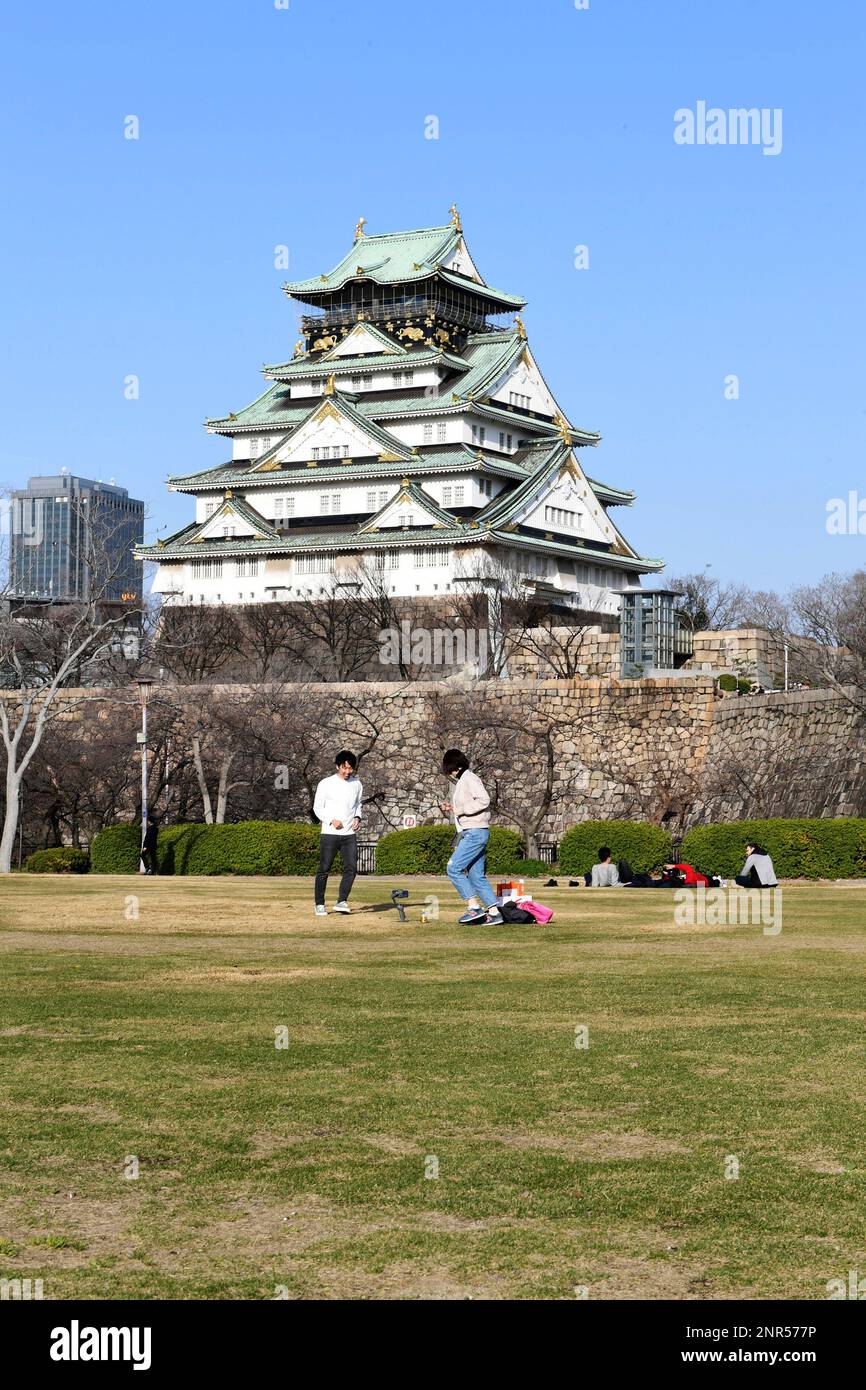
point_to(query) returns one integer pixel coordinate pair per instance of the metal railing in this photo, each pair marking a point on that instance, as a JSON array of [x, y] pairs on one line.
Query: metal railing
[[379, 311], [367, 857]]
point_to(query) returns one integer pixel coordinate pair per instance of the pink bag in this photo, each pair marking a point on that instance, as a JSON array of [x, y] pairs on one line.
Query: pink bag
[[538, 910]]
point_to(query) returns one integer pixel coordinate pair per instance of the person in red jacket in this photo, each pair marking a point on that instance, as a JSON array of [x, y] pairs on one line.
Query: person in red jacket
[[691, 877]]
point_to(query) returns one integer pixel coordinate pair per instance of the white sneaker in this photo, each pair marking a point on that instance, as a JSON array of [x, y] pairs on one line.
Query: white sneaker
[[321, 910], [342, 907]]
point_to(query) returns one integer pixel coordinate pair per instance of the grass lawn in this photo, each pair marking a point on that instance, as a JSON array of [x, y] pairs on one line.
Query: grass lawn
[[411, 1049]]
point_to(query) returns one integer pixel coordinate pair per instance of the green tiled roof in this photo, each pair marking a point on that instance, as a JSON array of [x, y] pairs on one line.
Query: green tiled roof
[[615, 496], [423, 499], [175, 548], [323, 366], [396, 258], [426, 462]]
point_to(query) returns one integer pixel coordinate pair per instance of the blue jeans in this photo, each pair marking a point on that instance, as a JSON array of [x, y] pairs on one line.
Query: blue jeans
[[465, 868]]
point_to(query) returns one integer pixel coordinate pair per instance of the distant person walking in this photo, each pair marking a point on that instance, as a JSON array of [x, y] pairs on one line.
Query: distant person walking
[[470, 807], [758, 871], [337, 804], [148, 846]]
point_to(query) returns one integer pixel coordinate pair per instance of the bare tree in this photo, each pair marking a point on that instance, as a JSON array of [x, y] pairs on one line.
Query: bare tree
[[47, 650]]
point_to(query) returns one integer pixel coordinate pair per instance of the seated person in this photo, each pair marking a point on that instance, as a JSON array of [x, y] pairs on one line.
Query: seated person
[[758, 871], [604, 874]]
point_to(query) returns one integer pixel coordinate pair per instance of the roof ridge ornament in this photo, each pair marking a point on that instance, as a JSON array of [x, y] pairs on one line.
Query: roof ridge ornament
[[520, 326], [329, 386], [563, 427], [359, 230], [455, 218]]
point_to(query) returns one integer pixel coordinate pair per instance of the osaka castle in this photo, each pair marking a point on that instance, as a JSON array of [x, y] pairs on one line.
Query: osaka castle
[[411, 441]]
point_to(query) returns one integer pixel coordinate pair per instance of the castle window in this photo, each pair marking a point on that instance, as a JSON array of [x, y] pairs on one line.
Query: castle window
[[458, 495], [255, 444], [515, 398], [430, 557], [479, 434], [315, 453], [209, 509], [428, 434], [207, 569], [314, 564], [446, 497], [441, 433]]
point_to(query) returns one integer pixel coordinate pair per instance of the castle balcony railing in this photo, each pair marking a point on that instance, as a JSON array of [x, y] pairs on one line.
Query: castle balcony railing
[[414, 307]]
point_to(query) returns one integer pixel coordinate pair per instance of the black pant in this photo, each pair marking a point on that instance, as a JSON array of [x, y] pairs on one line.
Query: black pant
[[330, 847], [751, 880], [149, 858]]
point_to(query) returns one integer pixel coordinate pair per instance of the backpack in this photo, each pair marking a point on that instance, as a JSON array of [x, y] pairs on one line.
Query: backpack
[[516, 915], [625, 871]]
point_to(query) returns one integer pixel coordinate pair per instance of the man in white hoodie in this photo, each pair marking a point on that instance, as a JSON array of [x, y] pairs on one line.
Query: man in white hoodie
[[337, 804]]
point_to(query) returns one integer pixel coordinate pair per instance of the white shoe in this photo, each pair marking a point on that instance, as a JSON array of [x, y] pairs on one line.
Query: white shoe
[[321, 910], [342, 907]]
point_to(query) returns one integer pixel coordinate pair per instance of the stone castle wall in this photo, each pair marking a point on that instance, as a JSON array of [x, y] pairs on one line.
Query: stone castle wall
[[669, 750]]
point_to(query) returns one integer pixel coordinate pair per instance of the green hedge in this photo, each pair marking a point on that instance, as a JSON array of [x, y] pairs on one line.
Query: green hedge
[[529, 868], [115, 850], [798, 848], [57, 861], [427, 848], [248, 847], [646, 847]]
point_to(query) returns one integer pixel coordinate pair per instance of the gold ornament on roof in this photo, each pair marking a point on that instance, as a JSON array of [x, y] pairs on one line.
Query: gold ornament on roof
[[519, 325], [562, 426], [228, 494], [455, 218], [329, 386], [359, 230], [232, 415], [299, 347]]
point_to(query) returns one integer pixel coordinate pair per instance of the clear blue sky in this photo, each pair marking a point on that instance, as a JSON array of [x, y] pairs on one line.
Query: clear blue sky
[[261, 126]]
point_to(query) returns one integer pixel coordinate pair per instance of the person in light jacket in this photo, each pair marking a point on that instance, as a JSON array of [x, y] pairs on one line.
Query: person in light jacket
[[758, 871], [470, 807], [337, 804]]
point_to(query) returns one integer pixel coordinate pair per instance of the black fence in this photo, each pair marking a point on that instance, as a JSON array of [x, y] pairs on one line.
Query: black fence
[[367, 857], [548, 853]]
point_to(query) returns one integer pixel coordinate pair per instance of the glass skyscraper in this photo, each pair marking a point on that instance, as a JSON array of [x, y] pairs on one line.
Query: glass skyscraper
[[72, 538]]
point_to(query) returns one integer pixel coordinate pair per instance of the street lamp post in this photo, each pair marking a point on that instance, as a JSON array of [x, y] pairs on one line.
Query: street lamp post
[[144, 687]]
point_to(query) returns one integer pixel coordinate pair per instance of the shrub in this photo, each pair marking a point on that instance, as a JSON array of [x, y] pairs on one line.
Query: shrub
[[116, 850], [426, 850], [801, 848], [527, 868], [247, 847], [727, 682], [646, 847], [57, 861]]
